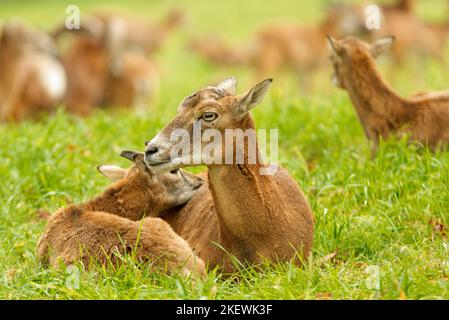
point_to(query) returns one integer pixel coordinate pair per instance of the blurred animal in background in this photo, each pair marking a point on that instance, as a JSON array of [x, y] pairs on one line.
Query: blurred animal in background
[[133, 81], [291, 46], [302, 48], [108, 63], [86, 59], [32, 79], [381, 111], [414, 35], [216, 50], [142, 34]]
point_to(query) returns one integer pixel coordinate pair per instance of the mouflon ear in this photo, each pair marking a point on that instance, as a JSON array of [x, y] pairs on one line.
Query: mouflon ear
[[253, 97], [113, 173], [130, 155], [381, 45], [228, 85]]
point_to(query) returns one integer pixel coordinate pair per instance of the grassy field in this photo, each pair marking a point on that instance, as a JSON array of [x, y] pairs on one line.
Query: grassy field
[[380, 220]]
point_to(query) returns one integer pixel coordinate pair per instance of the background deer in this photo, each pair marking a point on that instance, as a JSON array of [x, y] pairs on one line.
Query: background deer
[[279, 46], [101, 227], [103, 71], [239, 212], [32, 79], [139, 33], [381, 111]]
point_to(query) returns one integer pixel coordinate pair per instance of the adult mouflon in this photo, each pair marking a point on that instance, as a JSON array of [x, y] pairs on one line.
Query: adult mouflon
[[238, 211]]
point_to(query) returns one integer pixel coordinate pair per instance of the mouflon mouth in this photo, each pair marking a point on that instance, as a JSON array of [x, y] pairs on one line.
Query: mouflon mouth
[[161, 166], [153, 162]]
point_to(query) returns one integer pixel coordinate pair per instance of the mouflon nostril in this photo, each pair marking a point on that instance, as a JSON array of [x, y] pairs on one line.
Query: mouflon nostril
[[149, 150]]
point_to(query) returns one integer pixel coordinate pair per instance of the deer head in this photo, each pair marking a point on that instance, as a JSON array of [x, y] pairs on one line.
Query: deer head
[[214, 107], [350, 52]]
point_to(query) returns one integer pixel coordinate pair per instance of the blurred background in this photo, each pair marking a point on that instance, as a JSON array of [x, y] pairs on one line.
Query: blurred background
[[132, 53]]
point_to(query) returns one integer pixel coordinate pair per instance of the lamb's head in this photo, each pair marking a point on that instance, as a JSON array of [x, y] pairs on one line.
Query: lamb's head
[[350, 52], [141, 184], [213, 107]]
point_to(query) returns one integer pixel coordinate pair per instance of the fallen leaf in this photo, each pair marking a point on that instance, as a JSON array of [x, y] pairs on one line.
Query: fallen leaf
[[324, 296], [71, 147]]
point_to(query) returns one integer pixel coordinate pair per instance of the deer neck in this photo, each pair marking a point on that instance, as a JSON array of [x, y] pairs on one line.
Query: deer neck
[[242, 197], [372, 96]]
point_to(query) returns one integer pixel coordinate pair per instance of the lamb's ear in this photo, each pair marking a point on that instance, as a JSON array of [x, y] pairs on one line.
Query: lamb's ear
[[253, 97], [228, 85], [111, 172], [381, 45]]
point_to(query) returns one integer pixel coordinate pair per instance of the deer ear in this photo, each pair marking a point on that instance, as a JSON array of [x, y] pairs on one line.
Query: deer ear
[[111, 172], [228, 85], [253, 97], [381, 45]]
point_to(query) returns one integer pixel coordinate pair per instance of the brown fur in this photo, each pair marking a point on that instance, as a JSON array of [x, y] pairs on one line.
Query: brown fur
[[87, 65], [103, 71], [103, 226], [133, 81], [278, 46], [32, 80], [381, 111], [248, 214], [217, 51], [400, 5], [413, 35]]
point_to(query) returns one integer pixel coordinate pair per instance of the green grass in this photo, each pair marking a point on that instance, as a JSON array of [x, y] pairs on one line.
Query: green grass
[[371, 213]]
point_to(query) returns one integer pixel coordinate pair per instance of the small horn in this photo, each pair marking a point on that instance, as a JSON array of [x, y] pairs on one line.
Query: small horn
[[130, 155]]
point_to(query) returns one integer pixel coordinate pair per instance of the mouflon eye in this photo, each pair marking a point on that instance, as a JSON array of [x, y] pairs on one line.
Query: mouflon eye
[[174, 171], [209, 116]]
